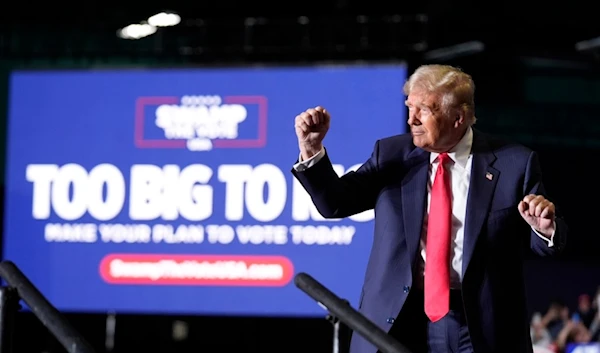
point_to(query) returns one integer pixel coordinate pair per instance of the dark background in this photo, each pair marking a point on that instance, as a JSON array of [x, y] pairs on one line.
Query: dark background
[[533, 87]]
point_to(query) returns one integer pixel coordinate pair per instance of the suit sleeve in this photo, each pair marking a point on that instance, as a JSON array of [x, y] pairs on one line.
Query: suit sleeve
[[534, 185], [340, 197]]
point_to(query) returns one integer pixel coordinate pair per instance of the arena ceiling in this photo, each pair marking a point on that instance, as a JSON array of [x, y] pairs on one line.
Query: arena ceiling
[[307, 29]]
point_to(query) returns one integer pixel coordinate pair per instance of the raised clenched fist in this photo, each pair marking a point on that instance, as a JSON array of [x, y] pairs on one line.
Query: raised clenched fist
[[539, 213], [311, 128]]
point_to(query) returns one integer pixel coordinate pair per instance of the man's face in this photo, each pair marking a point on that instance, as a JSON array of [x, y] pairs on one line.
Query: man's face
[[584, 304], [431, 129]]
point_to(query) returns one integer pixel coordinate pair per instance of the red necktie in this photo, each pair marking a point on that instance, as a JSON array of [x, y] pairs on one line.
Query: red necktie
[[437, 256]]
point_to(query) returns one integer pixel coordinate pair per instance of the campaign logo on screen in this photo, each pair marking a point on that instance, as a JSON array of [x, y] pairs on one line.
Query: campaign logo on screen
[[201, 123]]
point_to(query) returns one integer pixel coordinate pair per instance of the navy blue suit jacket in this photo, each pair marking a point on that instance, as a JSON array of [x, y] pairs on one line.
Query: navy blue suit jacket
[[393, 182]]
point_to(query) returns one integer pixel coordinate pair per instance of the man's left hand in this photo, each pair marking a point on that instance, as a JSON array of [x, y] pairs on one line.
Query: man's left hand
[[538, 213]]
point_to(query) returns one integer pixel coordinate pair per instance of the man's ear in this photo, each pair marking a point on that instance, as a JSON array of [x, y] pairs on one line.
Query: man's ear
[[459, 117]]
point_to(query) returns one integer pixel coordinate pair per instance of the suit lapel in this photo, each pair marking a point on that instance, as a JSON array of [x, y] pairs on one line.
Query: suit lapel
[[414, 193], [481, 191]]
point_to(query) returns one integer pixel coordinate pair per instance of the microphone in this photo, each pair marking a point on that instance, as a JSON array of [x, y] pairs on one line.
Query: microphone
[[348, 315]]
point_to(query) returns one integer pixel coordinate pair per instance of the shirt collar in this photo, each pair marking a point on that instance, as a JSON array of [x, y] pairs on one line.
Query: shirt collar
[[460, 153]]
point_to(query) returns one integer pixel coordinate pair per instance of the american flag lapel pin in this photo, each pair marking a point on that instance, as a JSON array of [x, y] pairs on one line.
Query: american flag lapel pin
[[489, 176]]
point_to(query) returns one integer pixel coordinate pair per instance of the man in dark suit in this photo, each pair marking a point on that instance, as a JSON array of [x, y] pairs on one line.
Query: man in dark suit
[[455, 209]]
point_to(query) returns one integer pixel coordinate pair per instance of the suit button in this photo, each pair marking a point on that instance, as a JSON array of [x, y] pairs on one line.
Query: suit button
[[406, 289], [390, 320]]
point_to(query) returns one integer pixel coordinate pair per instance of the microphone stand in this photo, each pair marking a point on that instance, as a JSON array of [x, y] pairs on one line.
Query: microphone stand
[[348, 315], [337, 330]]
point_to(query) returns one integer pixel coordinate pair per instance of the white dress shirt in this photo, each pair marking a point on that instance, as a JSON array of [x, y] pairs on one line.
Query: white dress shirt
[[459, 169], [460, 177]]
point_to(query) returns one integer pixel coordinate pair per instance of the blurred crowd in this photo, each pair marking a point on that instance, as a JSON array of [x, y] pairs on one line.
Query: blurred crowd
[[560, 327]]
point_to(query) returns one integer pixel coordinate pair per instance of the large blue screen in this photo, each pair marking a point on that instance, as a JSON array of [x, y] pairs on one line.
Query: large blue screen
[[169, 191]]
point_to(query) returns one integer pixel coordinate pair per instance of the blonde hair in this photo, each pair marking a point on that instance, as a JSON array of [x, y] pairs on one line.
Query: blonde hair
[[457, 88]]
